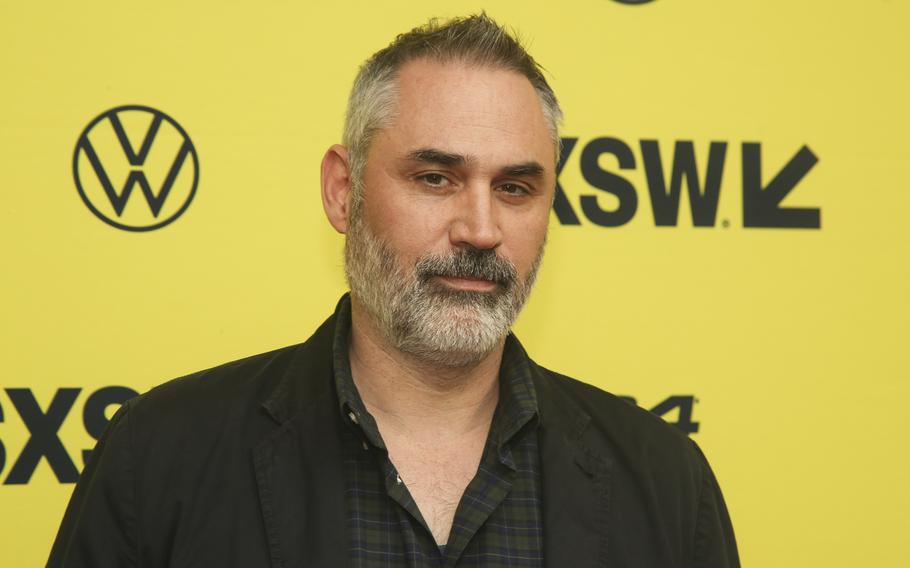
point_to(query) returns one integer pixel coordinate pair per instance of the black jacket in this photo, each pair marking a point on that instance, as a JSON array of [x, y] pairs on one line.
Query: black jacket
[[240, 465]]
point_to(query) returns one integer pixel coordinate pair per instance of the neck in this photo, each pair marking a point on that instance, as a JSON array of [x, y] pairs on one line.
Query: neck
[[414, 395]]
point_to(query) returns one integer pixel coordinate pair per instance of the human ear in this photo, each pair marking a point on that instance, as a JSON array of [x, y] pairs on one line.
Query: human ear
[[336, 187]]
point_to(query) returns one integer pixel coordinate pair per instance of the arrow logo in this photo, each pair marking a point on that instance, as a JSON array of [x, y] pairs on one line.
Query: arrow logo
[[761, 205]]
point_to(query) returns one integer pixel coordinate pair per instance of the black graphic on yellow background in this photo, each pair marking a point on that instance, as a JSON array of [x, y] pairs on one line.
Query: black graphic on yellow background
[[761, 201], [43, 425], [136, 148]]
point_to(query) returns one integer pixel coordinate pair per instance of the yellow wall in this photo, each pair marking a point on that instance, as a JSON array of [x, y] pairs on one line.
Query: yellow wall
[[790, 341]]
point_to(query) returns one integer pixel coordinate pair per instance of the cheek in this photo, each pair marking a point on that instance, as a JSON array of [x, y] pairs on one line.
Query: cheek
[[408, 225], [526, 238]]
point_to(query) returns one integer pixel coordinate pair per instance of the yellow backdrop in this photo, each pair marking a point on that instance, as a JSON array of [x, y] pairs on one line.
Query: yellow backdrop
[[772, 305]]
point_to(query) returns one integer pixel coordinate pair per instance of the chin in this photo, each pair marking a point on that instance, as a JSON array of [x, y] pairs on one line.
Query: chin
[[455, 337]]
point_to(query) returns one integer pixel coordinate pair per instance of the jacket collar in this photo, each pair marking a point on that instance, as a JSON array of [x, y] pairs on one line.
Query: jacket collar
[[576, 479], [307, 377]]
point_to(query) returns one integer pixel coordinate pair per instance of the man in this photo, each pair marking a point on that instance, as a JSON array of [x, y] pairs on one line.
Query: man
[[411, 429]]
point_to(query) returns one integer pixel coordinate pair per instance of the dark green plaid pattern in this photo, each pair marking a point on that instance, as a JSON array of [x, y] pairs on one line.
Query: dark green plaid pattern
[[498, 520]]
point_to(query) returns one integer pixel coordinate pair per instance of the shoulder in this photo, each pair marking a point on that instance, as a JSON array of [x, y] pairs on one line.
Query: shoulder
[[289, 376], [200, 426], [238, 401], [234, 403], [226, 388], [638, 438]]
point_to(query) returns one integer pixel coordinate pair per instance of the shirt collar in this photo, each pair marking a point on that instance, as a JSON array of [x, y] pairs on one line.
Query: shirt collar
[[350, 404]]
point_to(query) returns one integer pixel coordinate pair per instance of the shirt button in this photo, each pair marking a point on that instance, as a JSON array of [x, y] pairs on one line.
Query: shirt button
[[365, 447]]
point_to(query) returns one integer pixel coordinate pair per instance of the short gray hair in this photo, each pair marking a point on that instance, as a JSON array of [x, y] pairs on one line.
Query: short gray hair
[[476, 40]]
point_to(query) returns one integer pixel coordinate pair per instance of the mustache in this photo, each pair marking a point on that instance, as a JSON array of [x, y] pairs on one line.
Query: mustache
[[468, 263]]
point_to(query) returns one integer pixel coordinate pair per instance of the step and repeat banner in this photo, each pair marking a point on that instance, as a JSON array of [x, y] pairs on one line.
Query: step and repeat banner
[[728, 245]]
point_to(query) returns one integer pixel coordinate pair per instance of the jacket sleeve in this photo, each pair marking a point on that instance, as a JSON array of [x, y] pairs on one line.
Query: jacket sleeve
[[100, 526], [715, 544]]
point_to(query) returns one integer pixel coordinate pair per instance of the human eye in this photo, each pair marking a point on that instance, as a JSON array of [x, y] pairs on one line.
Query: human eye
[[515, 189], [433, 179]]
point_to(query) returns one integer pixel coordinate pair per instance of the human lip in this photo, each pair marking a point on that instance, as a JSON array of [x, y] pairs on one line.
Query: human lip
[[469, 283]]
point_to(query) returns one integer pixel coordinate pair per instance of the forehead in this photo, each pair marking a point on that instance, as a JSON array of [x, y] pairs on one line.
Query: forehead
[[470, 110]]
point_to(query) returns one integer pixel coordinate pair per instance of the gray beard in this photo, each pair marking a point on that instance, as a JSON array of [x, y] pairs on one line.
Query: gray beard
[[424, 318]]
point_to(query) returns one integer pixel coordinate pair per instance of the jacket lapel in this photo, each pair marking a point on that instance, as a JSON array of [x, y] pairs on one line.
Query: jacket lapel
[[575, 480], [299, 467]]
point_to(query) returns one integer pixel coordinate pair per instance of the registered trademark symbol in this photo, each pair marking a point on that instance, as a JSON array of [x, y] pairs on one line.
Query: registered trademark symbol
[[725, 223]]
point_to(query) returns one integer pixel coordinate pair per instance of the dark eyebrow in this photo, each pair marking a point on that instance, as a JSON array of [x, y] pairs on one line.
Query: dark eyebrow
[[434, 156], [442, 158], [527, 169]]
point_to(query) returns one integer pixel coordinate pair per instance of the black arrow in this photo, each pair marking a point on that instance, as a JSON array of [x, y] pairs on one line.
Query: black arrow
[[761, 205]]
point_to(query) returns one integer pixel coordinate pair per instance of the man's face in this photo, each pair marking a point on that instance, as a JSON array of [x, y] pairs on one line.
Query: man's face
[[457, 190]]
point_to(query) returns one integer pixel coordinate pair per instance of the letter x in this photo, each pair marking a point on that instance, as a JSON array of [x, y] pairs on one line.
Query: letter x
[[43, 440]]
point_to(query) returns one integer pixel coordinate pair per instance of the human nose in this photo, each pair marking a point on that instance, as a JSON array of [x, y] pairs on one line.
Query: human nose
[[476, 223]]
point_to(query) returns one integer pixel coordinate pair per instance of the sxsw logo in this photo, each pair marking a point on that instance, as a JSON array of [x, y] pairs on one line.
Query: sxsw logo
[[667, 180], [135, 147]]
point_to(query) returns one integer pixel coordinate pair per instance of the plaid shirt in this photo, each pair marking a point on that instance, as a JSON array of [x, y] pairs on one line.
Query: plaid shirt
[[498, 521]]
